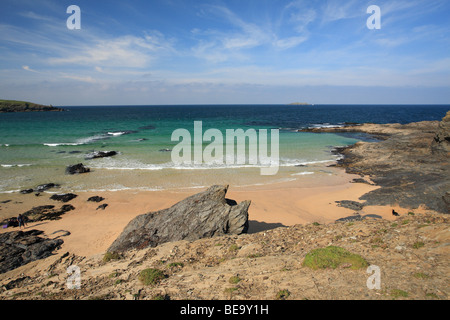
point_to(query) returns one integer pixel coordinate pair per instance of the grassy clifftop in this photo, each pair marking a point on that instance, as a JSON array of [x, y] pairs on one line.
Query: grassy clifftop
[[24, 106]]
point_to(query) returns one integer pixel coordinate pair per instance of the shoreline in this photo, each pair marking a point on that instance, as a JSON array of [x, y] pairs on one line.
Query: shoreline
[[286, 221], [276, 205], [310, 199]]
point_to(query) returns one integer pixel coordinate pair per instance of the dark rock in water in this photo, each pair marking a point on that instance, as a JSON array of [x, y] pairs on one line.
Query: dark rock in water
[[352, 205], [102, 206], [45, 187], [65, 197], [95, 199], [203, 215], [77, 169], [26, 191], [18, 248], [100, 154]]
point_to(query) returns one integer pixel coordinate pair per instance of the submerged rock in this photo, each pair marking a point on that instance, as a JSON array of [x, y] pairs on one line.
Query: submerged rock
[[203, 215], [100, 154], [45, 187], [77, 169]]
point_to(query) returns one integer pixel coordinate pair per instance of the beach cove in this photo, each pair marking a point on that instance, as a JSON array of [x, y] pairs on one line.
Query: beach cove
[[315, 197]]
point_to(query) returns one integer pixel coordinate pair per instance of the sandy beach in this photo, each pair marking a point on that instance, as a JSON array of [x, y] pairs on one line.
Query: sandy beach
[[284, 204]]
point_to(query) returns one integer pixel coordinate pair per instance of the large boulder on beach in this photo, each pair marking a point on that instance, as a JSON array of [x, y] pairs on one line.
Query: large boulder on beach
[[202, 215]]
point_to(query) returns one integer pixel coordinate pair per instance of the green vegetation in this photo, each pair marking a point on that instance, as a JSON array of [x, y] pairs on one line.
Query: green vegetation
[[176, 265], [283, 294], [397, 293], [234, 280], [151, 276], [421, 275], [333, 257], [418, 244], [24, 106], [111, 256]]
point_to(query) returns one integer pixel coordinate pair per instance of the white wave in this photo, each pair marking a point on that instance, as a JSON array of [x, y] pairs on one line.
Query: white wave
[[118, 133], [4, 145], [326, 125], [10, 191], [294, 163], [78, 142], [302, 173], [15, 165]]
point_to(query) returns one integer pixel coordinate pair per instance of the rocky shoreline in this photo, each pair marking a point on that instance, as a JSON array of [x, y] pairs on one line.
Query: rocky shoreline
[[410, 163]]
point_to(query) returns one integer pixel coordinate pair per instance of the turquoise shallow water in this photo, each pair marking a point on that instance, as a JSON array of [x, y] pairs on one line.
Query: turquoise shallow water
[[35, 148]]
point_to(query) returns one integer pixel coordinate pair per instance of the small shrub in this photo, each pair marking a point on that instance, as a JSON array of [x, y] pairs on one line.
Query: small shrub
[[333, 257], [161, 297], [176, 265], [234, 280], [111, 256], [151, 276], [397, 293], [418, 244], [421, 275], [234, 247], [283, 294]]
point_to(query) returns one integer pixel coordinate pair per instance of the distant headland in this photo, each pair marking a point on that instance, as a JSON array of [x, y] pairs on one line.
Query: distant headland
[[24, 106]]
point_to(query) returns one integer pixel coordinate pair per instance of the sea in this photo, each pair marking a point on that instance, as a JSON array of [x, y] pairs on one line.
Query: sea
[[36, 147]]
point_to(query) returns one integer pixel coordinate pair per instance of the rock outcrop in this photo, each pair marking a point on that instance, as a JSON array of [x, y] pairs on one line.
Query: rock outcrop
[[441, 143], [409, 163], [77, 169], [18, 248], [203, 215], [64, 197]]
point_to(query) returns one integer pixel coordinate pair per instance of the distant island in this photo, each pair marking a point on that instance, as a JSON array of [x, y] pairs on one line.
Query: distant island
[[299, 104], [24, 106]]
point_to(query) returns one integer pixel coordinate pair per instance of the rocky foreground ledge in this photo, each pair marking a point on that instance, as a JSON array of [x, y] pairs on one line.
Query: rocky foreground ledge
[[411, 255], [411, 163]]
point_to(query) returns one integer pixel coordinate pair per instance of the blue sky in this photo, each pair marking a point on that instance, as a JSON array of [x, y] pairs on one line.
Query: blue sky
[[225, 52]]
